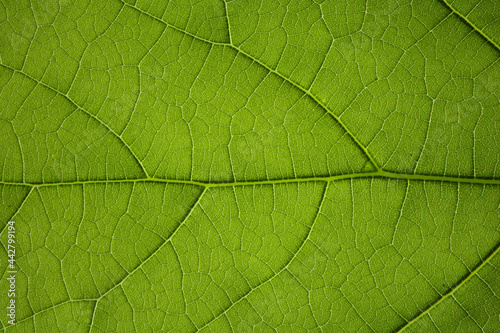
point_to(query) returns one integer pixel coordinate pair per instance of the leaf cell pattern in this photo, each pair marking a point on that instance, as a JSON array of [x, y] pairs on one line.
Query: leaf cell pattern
[[251, 166]]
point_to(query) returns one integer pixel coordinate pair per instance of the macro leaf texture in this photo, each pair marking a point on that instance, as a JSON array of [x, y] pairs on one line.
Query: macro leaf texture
[[251, 165]]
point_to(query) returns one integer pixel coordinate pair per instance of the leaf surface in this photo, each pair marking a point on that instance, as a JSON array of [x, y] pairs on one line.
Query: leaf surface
[[239, 166]]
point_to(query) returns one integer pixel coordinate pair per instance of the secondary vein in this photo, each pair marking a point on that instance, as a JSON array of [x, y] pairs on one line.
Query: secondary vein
[[481, 32], [285, 267], [294, 84], [452, 291], [109, 129]]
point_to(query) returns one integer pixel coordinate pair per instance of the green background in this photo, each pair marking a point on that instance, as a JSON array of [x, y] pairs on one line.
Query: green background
[[251, 166]]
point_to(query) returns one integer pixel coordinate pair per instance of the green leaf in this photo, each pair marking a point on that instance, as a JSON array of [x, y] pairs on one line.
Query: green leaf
[[238, 166]]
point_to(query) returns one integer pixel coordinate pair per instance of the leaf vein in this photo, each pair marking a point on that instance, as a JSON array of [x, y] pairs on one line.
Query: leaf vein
[[244, 296], [294, 84], [474, 27], [165, 242], [377, 174], [109, 129], [452, 290]]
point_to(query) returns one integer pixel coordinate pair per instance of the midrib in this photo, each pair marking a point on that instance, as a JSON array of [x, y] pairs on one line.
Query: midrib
[[377, 174]]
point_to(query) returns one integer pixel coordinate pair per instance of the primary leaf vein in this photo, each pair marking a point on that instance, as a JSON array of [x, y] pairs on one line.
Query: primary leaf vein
[[377, 174]]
